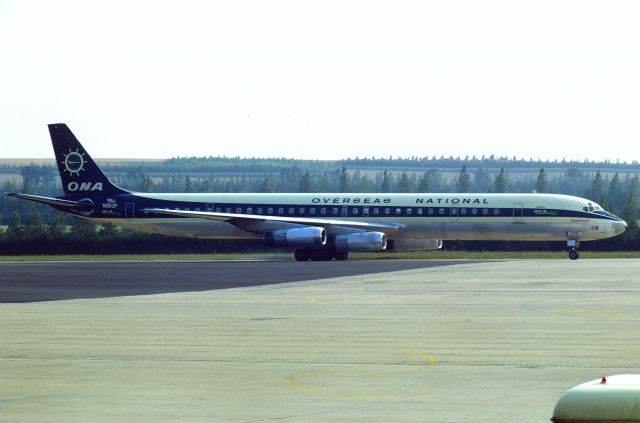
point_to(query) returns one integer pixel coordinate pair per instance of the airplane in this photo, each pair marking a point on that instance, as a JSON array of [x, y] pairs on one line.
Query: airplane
[[324, 226]]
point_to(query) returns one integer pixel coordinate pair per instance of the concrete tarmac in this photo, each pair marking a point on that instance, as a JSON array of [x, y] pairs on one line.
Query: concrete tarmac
[[475, 341]]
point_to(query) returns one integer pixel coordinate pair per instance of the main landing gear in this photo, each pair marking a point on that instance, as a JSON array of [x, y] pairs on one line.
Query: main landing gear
[[320, 255], [573, 252]]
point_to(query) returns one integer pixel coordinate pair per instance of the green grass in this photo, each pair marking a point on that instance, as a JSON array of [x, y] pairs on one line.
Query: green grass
[[413, 255], [152, 257], [490, 255]]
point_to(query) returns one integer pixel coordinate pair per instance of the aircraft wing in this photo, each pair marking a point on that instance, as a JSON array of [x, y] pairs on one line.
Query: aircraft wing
[[54, 202], [261, 223]]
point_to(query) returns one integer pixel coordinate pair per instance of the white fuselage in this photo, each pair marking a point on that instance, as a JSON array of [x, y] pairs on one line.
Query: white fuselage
[[523, 217]]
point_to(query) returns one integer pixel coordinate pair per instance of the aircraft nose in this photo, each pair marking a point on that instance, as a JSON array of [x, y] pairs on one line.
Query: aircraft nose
[[620, 227]]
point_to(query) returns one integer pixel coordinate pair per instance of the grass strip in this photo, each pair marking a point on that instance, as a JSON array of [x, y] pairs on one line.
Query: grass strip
[[411, 255]]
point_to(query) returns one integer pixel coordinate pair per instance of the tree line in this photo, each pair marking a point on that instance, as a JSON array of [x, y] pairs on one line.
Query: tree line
[[37, 227]]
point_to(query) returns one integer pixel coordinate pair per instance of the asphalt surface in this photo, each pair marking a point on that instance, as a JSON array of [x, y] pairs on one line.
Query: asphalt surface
[[51, 281]]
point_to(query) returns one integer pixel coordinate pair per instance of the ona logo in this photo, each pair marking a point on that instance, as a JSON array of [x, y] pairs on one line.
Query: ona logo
[[84, 186], [74, 162]]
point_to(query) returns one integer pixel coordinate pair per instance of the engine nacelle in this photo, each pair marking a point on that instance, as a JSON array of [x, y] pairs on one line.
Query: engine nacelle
[[414, 244], [298, 237], [361, 241]]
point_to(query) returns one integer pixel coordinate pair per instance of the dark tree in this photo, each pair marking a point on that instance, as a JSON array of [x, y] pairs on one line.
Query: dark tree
[[387, 181], [405, 183], [345, 181], [464, 180], [501, 181], [542, 184], [305, 183]]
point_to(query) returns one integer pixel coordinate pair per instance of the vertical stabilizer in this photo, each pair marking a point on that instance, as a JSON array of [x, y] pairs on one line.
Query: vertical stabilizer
[[79, 173]]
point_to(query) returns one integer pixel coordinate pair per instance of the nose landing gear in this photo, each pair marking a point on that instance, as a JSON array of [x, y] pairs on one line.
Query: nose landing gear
[[573, 253]]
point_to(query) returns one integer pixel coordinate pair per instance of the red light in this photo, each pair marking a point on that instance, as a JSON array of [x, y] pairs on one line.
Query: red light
[[604, 380]]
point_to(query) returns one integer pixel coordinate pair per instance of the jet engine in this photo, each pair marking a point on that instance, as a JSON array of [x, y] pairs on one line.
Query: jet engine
[[361, 241], [414, 244], [309, 236]]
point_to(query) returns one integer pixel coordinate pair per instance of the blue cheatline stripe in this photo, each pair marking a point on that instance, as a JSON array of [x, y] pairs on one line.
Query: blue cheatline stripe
[[338, 211]]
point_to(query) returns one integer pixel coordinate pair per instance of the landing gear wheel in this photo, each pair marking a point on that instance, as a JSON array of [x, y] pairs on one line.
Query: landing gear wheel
[[573, 254], [341, 255], [302, 255]]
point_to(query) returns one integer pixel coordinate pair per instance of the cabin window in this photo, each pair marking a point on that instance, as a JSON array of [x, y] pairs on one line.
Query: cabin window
[[218, 209], [420, 211], [496, 212], [474, 211], [398, 210], [354, 211], [323, 210], [280, 210], [301, 210], [259, 210], [335, 211], [187, 209], [249, 210], [463, 212], [239, 210], [485, 212], [270, 210], [441, 212], [376, 211], [454, 212], [387, 210], [227, 210], [197, 209], [430, 211], [312, 211], [409, 210], [292, 210]]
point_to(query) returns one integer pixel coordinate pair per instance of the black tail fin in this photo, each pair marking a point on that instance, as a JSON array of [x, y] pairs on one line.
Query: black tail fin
[[79, 173]]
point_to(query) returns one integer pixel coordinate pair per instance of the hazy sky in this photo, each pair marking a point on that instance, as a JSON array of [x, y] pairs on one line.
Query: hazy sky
[[323, 79]]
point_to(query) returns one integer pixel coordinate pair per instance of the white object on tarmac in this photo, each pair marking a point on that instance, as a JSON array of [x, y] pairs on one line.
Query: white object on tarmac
[[607, 400]]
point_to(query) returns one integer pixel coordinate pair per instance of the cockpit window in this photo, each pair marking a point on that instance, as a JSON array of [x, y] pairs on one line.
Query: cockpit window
[[592, 208]]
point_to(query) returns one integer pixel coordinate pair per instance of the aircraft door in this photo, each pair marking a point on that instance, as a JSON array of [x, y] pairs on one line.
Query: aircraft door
[[455, 214], [518, 213], [129, 210]]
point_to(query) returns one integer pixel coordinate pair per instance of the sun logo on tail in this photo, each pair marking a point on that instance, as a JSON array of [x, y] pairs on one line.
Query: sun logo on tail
[[74, 162]]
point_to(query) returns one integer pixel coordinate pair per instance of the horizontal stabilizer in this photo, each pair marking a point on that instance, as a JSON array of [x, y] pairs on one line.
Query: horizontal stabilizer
[[54, 202]]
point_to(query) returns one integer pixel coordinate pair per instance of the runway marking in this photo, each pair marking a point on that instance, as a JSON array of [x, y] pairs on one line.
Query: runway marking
[[588, 313], [297, 382], [431, 360], [301, 380]]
